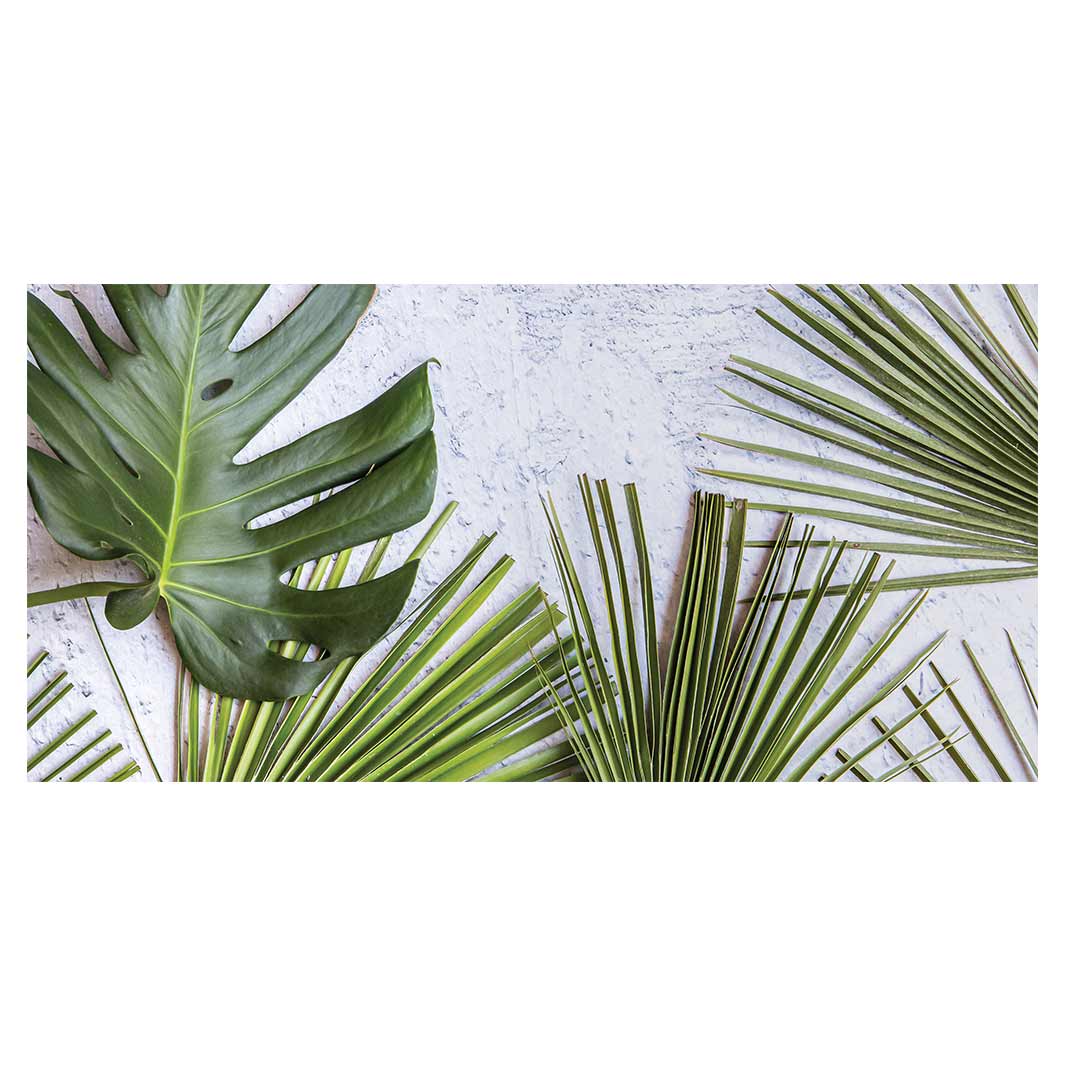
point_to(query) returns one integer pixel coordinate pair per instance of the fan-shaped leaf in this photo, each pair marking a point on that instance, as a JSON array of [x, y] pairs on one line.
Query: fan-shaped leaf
[[966, 441], [748, 689]]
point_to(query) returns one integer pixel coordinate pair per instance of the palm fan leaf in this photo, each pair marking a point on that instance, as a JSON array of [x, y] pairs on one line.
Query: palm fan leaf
[[958, 451], [927, 721], [438, 706], [78, 757], [748, 691]]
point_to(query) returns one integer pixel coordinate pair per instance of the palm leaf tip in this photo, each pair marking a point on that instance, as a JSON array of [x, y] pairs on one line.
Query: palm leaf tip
[[746, 683], [68, 741], [958, 452]]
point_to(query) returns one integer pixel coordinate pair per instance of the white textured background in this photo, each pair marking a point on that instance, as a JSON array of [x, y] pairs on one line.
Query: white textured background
[[537, 385]]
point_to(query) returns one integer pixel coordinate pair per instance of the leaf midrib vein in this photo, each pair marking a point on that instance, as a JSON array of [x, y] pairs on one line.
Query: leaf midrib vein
[[179, 475], [313, 534], [276, 483], [238, 603]]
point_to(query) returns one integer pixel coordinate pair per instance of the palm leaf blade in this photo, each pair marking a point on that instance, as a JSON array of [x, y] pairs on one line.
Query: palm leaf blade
[[964, 426]]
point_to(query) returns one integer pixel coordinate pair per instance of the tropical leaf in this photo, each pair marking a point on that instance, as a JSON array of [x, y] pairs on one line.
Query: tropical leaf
[[441, 703], [929, 724], [428, 710], [748, 693], [146, 470], [959, 450], [97, 749]]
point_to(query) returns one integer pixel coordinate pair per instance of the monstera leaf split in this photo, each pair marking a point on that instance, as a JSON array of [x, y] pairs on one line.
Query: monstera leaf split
[[145, 470]]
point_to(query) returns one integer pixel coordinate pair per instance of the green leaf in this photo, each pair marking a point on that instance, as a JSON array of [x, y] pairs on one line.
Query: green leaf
[[746, 683], [1023, 672], [427, 711], [1022, 312], [936, 729], [900, 748], [1001, 709], [950, 744], [968, 439], [146, 471], [43, 749]]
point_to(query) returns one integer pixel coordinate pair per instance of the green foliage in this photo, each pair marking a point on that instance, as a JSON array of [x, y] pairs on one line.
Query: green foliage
[[441, 704], [145, 471], [959, 446], [97, 750], [961, 753], [748, 693]]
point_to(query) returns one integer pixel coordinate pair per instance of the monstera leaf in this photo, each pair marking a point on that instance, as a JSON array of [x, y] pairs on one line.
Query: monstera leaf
[[146, 471]]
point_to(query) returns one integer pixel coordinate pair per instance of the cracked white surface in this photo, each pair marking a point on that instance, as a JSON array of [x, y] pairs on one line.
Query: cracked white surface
[[536, 385]]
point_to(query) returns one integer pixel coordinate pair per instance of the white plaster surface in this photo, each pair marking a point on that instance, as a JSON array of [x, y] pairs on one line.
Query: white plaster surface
[[536, 385]]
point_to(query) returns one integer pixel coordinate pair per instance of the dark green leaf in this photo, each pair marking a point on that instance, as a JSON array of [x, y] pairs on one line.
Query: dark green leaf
[[146, 471]]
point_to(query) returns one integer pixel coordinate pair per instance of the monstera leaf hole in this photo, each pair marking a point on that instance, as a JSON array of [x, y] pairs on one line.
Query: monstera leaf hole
[[147, 468], [290, 510], [214, 390]]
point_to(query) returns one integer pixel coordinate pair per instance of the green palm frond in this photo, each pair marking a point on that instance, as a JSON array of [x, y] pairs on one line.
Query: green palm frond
[[78, 759], [958, 451], [933, 733], [413, 716], [749, 692]]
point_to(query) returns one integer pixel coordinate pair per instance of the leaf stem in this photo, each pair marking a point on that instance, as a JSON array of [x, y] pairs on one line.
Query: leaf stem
[[85, 590], [125, 698]]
